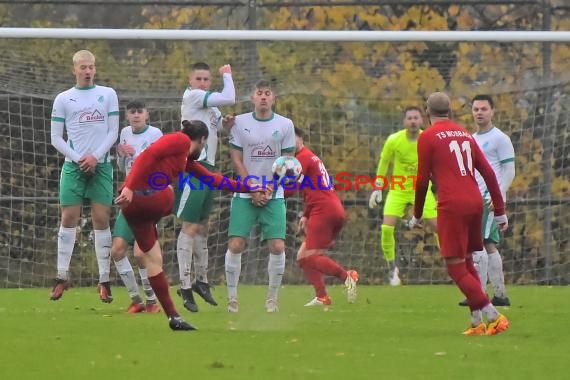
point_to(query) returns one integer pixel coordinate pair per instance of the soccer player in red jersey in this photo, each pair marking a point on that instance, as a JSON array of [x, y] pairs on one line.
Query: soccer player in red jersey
[[147, 196], [322, 220], [448, 154]]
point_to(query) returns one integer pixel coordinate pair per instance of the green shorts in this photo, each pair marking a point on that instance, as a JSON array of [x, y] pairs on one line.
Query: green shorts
[[397, 201], [193, 204], [75, 185], [490, 228], [271, 217], [121, 229]]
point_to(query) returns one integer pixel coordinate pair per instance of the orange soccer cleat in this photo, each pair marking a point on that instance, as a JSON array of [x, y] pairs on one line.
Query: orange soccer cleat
[[152, 307], [480, 329], [135, 308], [498, 325]]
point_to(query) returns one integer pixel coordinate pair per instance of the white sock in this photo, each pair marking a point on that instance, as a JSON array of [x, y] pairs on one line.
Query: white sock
[[496, 274], [103, 253], [476, 318], [275, 268], [128, 276], [201, 258], [480, 260], [233, 270], [184, 247], [491, 312], [150, 296], [65, 244]]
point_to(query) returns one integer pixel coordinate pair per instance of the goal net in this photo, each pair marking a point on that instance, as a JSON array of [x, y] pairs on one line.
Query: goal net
[[348, 97]]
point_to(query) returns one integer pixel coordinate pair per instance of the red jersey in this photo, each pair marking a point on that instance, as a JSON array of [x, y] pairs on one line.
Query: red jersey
[[317, 187], [448, 155], [169, 155]]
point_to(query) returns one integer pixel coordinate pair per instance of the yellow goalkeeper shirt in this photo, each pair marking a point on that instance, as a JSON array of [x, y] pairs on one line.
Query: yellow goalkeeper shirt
[[404, 154]]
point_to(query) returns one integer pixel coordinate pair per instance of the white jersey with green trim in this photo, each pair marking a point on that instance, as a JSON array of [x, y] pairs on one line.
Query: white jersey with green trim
[[195, 107], [85, 114], [262, 141], [498, 150], [139, 141]]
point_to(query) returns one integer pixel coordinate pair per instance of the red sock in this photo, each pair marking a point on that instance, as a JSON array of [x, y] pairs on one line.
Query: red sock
[[159, 284], [328, 266], [314, 276], [469, 285]]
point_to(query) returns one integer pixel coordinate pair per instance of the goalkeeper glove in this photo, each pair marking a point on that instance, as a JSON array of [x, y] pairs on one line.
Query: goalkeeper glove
[[502, 221], [375, 199]]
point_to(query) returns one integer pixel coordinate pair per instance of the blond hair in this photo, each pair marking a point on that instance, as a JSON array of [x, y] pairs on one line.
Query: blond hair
[[83, 55]]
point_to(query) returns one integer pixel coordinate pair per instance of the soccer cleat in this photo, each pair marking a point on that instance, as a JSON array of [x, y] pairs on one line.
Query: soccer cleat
[[203, 290], [104, 289], [188, 299], [179, 324], [500, 301], [152, 307], [463, 303], [58, 288], [271, 305], [394, 278], [319, 301], [498, 325], [480, 329], [135, 308], [350, 284], [233, 305]]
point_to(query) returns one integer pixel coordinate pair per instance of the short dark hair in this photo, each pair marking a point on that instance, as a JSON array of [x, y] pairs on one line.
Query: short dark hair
[[195, 129], [264, 83], [412, 108], [484, 97], [300, 133], [135, 104], [200, 66]]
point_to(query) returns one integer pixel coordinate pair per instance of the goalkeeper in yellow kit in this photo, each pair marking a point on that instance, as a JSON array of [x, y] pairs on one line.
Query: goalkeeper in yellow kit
[[401, 150]]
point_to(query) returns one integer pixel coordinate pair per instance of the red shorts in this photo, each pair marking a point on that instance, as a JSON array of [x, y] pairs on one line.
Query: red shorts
[[323, 226], [459, 235], [144, 212]]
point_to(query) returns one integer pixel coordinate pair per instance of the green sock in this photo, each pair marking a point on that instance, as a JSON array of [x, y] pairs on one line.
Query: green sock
[[388, 243]]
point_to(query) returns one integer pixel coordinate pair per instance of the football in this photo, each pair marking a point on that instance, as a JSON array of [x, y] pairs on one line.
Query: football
[[287, 169]]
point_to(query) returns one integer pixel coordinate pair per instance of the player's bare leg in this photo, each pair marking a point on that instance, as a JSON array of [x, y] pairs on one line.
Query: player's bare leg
[[152, 260], [100, 215], [65, 243]]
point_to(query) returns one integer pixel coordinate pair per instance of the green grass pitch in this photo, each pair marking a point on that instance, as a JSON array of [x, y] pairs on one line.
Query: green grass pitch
[[409, 332]]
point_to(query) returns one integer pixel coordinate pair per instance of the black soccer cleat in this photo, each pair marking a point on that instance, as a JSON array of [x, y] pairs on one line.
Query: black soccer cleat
[[203, 290], [463, 303], [500, 301], [179, 324], [188, 299], [104, 290]]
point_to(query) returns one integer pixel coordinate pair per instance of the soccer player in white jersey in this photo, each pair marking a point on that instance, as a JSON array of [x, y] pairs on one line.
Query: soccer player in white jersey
[[257, 138], [134, 138], [90, 115], [498, 149], [193, 204]]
